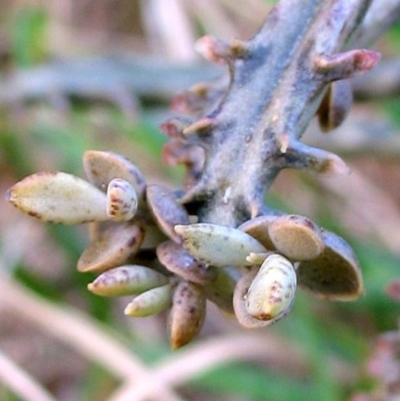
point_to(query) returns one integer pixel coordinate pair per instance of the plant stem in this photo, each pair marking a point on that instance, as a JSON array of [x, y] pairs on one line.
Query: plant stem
[[278, 86]]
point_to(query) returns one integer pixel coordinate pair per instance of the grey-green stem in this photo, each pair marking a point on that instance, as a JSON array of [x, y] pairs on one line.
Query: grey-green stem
[[278, 85]]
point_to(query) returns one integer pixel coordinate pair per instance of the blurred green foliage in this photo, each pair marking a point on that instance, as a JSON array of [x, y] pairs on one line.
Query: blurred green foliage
[[29, 36]]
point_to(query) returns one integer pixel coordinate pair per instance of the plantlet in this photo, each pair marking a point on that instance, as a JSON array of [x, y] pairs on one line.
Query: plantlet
[[215, 238]]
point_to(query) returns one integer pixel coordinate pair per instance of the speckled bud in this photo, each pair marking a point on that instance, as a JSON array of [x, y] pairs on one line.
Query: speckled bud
[[272, 291], [150, 302], [126, 280], [58, 197], [218, 245], [187, 313], [122, 201]]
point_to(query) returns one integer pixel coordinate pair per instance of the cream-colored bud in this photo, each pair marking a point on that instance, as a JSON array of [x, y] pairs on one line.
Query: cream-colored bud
[[58, 197], [122, 200], [272, 291], [126, 280], [150, 302], [218, 245]]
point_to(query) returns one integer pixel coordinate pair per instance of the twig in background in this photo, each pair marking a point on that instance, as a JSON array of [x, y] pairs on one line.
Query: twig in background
[[81, 333], [380, 17], [187, 364], [20, 382], [177, 43]]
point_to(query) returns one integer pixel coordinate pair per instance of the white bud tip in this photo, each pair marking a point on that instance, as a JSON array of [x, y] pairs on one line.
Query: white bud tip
[[272, 291], [122, 200]]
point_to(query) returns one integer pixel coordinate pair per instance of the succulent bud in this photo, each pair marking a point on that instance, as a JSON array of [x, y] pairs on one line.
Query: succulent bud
[[177, 260], [102, 167], [150, 302], [166, 210], [112, 247], [126, 280], [347, 64], [258, 228], [187, 313], [296, 237], [58, 197], [218, 245], [272, 291], [122, 200]]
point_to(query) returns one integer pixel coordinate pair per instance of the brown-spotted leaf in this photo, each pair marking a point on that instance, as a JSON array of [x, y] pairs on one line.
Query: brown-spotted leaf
[[258, 229], [112, 248], [239, 302], [218, 245], [180, 262], [187, 314], [335, 274], [126, 280], [58, 197], [102, 167], [166, 210], [296, 237]]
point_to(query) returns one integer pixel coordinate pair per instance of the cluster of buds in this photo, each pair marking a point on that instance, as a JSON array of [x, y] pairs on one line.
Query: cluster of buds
[[216, 240], [145, 243]]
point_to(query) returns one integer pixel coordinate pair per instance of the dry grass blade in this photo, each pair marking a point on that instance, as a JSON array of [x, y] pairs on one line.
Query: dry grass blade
[[159, 16], [84, 335], [20, 382], [193, 361]]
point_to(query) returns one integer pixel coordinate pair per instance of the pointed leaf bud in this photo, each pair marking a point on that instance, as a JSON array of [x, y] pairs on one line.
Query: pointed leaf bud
[[308, 158], [199, 127], [218, 245], [150, 302], [257, 258], [126, 280], [218, 51], [58, 197], [187, 314]]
